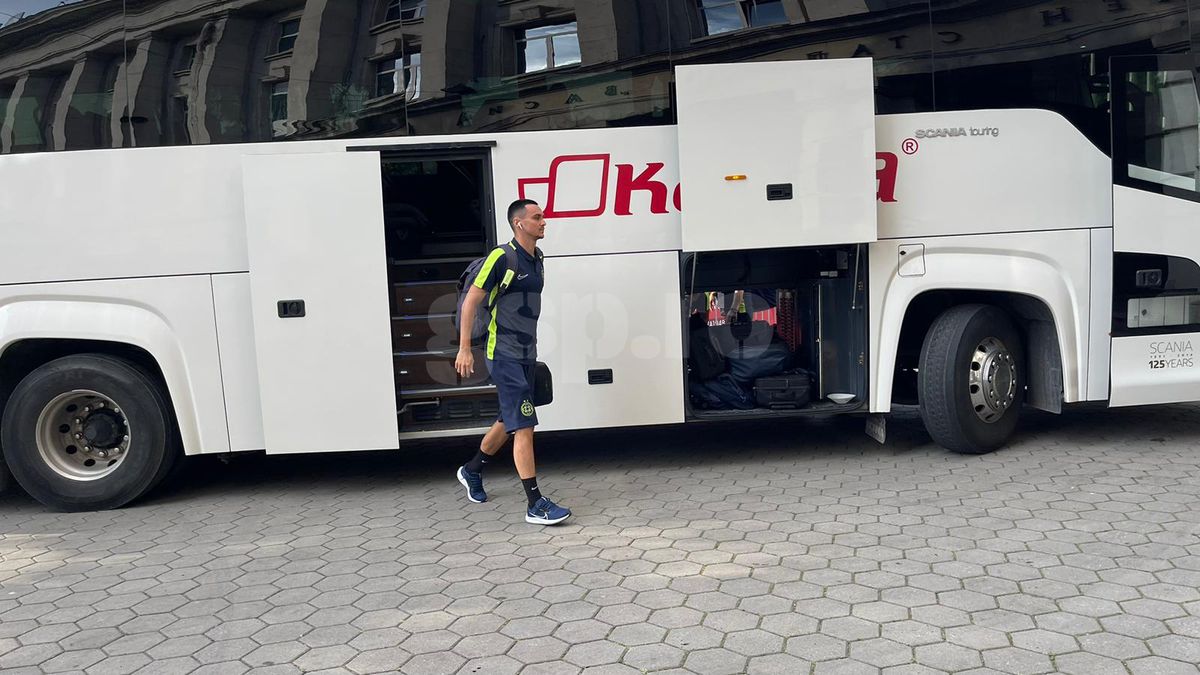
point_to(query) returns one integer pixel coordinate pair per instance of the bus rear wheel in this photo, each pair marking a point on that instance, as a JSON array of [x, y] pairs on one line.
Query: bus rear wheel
[[971, 379], [88, 432]]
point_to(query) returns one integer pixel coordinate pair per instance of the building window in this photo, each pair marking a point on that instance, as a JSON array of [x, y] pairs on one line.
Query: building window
[[547, 47], [187, 57], [49, 110], [288, 30], [405, 10], [279, 103], [724, 16], [398, 74], [180, 134]]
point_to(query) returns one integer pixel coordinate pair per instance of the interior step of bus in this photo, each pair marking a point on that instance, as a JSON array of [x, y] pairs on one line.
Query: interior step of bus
[[431, 269], [423, 298], [449, 412], [435, 368], [774, 332]]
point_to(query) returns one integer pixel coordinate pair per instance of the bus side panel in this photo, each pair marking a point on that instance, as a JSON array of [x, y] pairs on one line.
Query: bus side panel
[[170, 318], [239, 365], [611, 333], [985, 171], [121, 213]]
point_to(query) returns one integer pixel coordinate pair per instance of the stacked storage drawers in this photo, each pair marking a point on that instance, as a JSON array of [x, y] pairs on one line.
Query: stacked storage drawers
[[424, 338]]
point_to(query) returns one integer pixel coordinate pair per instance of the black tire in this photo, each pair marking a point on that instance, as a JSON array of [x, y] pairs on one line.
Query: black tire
[[152, 448], [944, 386]]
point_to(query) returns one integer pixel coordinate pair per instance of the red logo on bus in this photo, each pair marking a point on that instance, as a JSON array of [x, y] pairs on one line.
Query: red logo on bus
[[643, 179]]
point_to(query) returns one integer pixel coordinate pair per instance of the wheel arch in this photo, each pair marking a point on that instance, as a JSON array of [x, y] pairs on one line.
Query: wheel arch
[[1047, 295], [1032, 318], [39, 331]]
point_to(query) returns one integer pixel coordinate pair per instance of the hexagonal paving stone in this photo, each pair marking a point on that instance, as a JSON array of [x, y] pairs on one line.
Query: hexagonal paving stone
[[777, 664], [439, 663], [1157, 665], [754, 642], [586, 630], [816, 647], [947, 657], [850, 628], [1134, 626], [694, 638], [676, 617], [731, 620], [1044, 641], [911, 633], [1081, 663], [594, 653], [881, 652], [654, 657], [976, 637], [716, 662], [538, 650], [845, 667], [1178, 647], [1017, 661]]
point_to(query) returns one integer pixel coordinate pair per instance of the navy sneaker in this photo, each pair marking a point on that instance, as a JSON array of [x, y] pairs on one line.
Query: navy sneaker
[[546, 512], [474, 484]]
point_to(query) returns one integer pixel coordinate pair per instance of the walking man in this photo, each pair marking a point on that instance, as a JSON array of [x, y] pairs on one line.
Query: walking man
[[511, 351]]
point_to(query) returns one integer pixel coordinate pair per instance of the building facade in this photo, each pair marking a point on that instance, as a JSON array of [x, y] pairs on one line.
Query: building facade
[[138, 73]]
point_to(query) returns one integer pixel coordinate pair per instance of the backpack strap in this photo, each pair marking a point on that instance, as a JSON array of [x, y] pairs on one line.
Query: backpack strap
[[509, 272], [512, 267]]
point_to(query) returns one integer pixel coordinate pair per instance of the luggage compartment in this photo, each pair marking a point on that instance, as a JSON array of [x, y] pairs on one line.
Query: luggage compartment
[[775, 331]]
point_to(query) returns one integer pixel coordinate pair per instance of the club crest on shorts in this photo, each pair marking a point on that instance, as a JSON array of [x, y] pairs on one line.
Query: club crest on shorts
[[527, 408]]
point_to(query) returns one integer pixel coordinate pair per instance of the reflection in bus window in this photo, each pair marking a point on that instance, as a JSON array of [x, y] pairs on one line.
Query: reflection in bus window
[[548, 47], [1049, 57], [207, 72], [723, 16]]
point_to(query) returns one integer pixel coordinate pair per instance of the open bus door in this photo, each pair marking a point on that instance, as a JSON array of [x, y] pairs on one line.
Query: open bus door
[[1156, 230], [318, 283], [778, 172]]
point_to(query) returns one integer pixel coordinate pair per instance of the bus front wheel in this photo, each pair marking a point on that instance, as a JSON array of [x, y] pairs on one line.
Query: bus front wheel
[[971, 379], [88, 432]]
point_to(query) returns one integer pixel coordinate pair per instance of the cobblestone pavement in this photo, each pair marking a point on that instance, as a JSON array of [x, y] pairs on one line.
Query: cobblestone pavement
[[734, 548]]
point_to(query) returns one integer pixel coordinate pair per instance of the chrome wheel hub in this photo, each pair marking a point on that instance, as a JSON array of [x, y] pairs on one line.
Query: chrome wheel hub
[[83, 435], [992, 380]]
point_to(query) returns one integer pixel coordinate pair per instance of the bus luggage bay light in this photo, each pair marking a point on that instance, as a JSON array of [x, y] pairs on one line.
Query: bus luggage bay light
[[298, 297]]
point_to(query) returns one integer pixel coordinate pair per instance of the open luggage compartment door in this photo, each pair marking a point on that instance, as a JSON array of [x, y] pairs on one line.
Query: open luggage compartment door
[[318, 283], [776, 154]]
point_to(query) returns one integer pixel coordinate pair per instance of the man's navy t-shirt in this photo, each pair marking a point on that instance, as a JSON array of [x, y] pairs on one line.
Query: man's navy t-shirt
[[512, 331]]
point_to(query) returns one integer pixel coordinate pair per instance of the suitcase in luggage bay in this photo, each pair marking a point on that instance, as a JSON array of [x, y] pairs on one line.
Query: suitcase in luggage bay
[[784, 391]]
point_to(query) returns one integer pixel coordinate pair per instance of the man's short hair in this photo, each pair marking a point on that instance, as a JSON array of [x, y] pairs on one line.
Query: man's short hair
[[517, 207]]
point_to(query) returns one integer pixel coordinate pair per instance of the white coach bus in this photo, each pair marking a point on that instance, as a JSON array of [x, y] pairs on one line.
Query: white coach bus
[[297, 297]]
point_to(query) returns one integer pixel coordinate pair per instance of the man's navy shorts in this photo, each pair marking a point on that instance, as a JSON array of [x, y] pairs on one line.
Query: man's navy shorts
[[514, 386]]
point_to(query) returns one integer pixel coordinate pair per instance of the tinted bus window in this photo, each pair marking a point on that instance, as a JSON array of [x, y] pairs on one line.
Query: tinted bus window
[[579, 65], [1050, 56], [895, 33]]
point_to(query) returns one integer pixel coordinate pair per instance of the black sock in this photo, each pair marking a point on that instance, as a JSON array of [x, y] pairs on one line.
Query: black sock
[[531, 490], [477, 462]]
